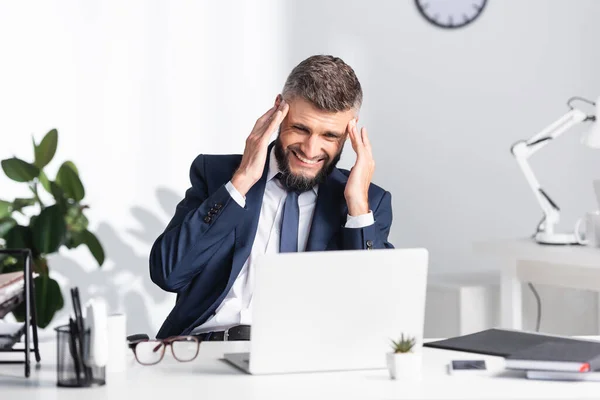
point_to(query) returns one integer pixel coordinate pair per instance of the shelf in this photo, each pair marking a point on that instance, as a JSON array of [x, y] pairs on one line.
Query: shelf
[[27, 295], [7, 343], [12, 303]]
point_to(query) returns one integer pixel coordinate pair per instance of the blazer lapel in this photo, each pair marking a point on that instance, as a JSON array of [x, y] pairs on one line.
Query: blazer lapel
[[246, 230], [326, 219]]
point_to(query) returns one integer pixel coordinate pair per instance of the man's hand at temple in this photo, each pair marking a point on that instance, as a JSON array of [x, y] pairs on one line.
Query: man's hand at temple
[[357, 188], [255, 153]]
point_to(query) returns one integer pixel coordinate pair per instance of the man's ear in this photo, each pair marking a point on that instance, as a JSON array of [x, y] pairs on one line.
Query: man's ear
[[278, 100]]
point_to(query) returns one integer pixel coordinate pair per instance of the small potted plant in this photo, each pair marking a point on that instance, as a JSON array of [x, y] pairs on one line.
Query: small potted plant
[[403, 362]]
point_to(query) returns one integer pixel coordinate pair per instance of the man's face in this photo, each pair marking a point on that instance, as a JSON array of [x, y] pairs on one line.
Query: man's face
[[310, 143]]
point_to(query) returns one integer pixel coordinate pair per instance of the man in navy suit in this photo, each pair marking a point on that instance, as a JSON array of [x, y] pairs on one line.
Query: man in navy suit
[[282, 197]]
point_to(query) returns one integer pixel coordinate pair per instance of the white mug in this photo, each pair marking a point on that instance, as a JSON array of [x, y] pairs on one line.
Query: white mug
[[591, 235]]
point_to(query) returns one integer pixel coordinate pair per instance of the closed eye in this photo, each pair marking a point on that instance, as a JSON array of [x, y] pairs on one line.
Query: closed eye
[[301, 128]]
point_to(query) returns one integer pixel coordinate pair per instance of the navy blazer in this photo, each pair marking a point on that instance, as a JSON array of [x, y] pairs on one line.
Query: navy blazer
[[204, 247]]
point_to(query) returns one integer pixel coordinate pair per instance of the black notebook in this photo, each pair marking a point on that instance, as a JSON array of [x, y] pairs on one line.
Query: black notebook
[[574, 356], [500, 342]]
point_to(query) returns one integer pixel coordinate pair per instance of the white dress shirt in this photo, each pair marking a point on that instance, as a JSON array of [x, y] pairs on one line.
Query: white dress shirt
[[236, 308]]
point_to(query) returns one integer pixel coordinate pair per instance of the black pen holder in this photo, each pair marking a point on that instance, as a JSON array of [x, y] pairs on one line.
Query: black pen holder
[[71, 360]]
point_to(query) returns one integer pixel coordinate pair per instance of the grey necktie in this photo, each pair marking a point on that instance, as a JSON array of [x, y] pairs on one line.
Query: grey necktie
[[288, 242]]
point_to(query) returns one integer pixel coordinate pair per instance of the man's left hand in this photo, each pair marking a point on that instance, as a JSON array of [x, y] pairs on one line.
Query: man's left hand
[[357, 187]]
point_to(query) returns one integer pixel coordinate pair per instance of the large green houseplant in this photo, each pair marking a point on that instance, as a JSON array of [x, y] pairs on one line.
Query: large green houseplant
[[44, 225]]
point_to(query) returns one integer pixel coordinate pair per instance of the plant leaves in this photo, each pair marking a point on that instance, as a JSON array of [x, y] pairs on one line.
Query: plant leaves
[[46, 149], [20, 203], [72, 165], [75, 219], [53, 188], [73, 239], [5, 208], [59, 197], [19, 170], [9, 264], [49, 230], [19, 237], [6, 224], [48, 300], [69, 181], [46, 184], [92, 242]]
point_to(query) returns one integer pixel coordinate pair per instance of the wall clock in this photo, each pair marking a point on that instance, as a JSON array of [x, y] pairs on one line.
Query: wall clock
[[450, 14]]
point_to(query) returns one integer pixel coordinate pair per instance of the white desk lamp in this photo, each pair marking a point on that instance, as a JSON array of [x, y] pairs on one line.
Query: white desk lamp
[[522, 150]]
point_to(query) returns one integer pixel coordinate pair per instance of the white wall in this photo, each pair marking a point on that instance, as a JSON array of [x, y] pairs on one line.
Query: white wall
[[138, 88], [443, 108]]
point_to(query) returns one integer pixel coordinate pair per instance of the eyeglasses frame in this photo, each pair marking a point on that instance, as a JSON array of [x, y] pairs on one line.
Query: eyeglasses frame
[[164, 343]]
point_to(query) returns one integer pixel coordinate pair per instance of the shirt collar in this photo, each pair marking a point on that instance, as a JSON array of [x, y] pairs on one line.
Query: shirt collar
[[274, 169]]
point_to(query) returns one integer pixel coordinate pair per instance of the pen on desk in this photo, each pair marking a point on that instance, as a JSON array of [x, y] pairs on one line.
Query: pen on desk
[[81, 333], [73, 349]]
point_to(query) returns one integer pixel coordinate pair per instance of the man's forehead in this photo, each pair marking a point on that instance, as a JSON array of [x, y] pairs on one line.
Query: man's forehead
[[309, 115]]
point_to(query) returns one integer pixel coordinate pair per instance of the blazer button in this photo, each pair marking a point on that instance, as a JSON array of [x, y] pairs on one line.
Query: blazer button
[[218, 206], [369, 244], [207, 219]]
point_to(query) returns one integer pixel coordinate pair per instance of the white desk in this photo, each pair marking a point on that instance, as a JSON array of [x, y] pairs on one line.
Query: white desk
[[209, 378], [523, 260]]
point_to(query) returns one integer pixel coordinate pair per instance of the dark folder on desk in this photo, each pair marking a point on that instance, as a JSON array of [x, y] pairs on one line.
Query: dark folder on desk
[[500, 342], [574, 356]]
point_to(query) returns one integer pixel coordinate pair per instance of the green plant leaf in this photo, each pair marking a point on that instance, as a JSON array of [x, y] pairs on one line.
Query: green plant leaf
[[19, 170], [9, 264], [46, 184], [20, 203], [73, 239], [72, 165], [5, 208], [69, 181], [19, 237], [76, 221], [49, 230], [404, 345], [46, 149], [6, 224], [48, 300], [59, 196], [92, 242]]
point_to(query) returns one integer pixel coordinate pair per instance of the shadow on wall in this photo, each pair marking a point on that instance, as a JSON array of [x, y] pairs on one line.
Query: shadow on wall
[[124, 281]]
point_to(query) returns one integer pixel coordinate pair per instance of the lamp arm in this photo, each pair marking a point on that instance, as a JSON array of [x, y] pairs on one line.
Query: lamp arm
[[554, 130], [524, 149]]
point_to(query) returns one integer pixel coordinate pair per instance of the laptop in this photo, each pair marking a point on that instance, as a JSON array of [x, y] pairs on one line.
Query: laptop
[[334, 310]]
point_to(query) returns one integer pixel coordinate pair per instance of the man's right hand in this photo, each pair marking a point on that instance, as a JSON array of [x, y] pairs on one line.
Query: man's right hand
[[255, 154]]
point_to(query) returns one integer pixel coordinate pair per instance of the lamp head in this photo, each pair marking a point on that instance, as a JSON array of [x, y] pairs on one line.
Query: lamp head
[[591, 138]]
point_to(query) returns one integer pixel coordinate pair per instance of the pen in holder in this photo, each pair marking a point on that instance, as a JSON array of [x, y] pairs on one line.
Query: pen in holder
[[72, 368]]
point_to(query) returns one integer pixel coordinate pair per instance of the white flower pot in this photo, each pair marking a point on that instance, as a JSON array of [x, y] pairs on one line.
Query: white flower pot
[[404, 366]]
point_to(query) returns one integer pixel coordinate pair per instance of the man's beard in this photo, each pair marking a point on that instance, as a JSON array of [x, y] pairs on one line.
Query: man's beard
[[301, 183]]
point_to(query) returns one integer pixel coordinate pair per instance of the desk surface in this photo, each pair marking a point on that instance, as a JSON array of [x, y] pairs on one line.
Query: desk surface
[[209, 377], [528, 249]]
